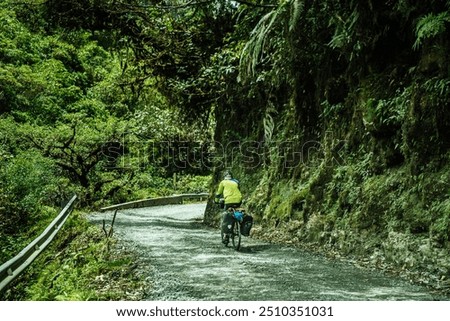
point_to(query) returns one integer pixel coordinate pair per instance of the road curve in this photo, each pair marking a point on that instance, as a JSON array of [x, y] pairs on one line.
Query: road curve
[[186, 261]]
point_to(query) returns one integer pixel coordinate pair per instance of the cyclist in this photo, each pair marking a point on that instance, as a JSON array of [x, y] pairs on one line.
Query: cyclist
[[229, 190]]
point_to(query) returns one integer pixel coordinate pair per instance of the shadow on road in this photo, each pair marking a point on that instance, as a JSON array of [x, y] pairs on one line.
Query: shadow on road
[[253, 249]]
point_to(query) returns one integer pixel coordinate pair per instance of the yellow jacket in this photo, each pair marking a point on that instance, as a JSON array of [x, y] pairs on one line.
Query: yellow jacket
[[229, 188]]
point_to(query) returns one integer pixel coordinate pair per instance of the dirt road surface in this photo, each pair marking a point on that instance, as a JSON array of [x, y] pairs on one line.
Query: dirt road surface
[[185, 260]]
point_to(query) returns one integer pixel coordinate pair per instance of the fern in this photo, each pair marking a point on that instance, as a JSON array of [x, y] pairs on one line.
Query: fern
[[430, 26], [269, 123], [296, 10], [264, 34], [345, 30], [253, 50]]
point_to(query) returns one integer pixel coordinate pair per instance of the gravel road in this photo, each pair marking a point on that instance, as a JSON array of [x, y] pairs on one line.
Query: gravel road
[[185, 260]]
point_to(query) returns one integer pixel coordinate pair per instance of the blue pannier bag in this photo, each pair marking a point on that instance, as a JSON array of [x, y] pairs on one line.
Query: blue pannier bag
[[238, 216]]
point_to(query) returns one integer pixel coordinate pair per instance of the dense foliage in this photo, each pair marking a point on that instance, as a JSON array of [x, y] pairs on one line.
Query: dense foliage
[[70, 99], [79, 115]]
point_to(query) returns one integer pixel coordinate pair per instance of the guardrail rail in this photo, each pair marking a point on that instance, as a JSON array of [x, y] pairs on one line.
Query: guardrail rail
[[12, 268], [158, 201]]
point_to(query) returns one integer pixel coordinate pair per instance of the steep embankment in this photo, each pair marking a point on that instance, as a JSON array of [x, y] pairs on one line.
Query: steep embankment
[[349, 153]]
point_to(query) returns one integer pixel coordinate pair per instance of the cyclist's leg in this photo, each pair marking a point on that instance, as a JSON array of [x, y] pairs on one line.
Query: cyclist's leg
[[227, 220], [224, 226]]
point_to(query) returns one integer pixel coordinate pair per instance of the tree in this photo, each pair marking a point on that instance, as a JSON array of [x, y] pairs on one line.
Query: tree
[[87, 149]]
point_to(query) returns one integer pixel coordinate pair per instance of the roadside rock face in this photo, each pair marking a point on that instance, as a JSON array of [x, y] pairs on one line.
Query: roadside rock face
[[412, 258], [185, 260]]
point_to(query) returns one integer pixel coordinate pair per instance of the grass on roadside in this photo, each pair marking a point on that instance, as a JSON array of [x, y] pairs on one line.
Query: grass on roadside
[[80, 264]]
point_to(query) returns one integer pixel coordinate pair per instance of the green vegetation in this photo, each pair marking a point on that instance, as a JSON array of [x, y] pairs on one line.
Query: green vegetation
[[77, 115], [81, 265]]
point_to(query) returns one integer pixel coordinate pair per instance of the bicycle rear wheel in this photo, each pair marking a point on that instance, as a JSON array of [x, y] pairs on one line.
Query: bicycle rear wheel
[[236, 236]]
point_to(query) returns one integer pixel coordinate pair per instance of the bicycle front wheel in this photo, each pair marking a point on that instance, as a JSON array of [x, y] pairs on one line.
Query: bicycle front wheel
[[236, 236]]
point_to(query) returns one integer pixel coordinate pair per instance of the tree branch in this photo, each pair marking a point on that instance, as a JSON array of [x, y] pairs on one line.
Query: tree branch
[[196, 3], [256, 4]]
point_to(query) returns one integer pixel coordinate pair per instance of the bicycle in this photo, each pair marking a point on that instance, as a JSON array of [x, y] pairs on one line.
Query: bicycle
[[234, 229]]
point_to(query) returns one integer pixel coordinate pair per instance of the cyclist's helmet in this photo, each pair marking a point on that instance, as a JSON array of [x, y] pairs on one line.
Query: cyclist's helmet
[[227, 175]]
